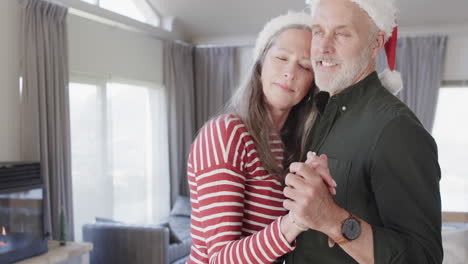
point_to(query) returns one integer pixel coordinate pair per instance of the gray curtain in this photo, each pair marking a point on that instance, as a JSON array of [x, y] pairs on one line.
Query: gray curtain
[[199, 82], [45, 119], [179, 81], [215, 78], [420, 61]]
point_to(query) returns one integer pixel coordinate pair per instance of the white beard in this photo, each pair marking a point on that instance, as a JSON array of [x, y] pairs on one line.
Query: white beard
[[347, 74]]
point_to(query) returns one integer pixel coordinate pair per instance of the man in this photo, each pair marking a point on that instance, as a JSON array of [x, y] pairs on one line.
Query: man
[[387, 208]]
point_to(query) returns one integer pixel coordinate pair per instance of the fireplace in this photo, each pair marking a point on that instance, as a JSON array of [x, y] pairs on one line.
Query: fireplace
[[22, 232]]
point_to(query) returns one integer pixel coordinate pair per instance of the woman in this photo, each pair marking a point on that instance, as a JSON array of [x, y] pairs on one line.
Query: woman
[[237, 161]]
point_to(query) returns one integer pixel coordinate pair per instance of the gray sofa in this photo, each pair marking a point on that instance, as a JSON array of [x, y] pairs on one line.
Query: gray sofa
[[121, 243]]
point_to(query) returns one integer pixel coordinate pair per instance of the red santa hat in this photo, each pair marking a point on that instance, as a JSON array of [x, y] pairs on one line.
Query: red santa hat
[[383, 14], [390, 78]]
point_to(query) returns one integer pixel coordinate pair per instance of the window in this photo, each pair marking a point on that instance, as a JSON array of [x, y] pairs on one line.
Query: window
[[137, 9], [119, 152], [451, 134], [94, 2], [123, 7]]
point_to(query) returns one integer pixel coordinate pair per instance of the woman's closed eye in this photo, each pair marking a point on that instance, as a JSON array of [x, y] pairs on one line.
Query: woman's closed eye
[[305, 64], [282, 58], [305, 67]]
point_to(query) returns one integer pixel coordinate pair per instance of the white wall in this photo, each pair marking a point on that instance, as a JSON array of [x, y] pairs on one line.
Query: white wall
[[456, 60], [244, 62], [109, 51], [9, 75]]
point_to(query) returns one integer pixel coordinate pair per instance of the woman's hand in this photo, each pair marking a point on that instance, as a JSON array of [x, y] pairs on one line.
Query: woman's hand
[[320, 164]]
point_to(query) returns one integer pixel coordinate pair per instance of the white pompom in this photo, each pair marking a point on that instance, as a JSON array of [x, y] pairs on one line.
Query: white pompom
[[392, 81]]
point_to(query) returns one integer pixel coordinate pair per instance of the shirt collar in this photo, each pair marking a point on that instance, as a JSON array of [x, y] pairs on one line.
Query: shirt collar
[[349, 95]]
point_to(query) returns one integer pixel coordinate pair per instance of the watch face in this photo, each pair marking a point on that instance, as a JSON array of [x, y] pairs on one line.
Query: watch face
[[351, 228]]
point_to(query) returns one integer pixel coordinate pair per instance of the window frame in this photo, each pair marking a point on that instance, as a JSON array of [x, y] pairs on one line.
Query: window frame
[[152, 16]]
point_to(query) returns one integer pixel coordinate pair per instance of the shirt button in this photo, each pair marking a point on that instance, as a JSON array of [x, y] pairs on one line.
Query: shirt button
[[343, 108]]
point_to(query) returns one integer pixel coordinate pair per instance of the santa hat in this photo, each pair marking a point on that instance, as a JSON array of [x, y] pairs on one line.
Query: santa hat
[[277, 25], [390, 78], [383, 14]]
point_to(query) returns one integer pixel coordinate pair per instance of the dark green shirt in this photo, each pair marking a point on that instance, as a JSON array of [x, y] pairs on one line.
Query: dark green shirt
[[386, 167]]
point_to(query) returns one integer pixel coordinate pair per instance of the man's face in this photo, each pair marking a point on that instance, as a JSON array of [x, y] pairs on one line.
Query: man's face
[[341, 49]]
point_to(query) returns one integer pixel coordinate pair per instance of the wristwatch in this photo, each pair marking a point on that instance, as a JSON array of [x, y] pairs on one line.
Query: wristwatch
[[350, 229]]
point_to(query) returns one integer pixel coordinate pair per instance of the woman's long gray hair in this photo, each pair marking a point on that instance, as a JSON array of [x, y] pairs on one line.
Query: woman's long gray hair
[[248, 104]]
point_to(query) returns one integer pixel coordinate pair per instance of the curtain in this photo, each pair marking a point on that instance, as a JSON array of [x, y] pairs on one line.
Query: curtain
[[45, 119], [215, 78], [199, 81], [179, 81], [420, 61]]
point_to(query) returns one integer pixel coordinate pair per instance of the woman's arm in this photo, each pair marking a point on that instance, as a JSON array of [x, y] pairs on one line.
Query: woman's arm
[[221, 216], [220, 221], [218, 203]]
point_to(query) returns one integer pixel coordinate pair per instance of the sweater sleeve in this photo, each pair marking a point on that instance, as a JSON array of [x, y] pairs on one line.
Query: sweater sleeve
[[220, 204]]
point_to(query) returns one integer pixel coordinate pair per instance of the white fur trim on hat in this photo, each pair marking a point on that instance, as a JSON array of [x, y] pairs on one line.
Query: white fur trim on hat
[[277, 24], [382, 12], [391, 80]]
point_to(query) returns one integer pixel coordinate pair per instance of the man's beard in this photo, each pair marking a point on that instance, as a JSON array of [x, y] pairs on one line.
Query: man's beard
[[349, 71]]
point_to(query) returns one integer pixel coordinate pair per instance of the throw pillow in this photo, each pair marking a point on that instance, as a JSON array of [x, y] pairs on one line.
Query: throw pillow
[[182, 207]]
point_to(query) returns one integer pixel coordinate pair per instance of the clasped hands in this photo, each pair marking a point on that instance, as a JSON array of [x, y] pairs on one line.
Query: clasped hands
[[309, 189]]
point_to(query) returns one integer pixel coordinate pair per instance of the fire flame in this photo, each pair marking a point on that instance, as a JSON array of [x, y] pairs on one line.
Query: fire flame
[[2, 244]]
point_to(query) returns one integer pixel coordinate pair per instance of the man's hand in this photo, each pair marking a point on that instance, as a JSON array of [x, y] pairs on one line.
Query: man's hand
[[309, 196]]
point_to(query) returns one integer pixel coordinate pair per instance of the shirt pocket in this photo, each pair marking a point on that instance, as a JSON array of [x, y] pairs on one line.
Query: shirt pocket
[[340, 171]]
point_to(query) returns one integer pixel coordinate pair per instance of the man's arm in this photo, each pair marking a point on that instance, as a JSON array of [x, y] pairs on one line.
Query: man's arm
[[405, 177], [310, 200]]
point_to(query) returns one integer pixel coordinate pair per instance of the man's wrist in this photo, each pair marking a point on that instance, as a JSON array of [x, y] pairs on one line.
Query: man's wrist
[[335, 231]]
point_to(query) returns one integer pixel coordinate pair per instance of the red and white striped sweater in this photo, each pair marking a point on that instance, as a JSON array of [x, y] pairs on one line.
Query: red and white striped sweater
[[236, 205]]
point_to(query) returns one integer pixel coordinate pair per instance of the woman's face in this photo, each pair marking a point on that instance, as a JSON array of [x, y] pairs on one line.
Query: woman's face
[[287, 72]]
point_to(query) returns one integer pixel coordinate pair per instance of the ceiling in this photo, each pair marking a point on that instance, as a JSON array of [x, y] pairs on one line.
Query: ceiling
[[207, 19]]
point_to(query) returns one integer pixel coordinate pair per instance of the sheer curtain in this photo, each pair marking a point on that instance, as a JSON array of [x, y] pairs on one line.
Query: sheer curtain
[[420, 61], [45, 120], [159, 160]]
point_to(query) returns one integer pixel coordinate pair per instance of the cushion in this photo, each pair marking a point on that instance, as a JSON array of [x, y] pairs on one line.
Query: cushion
[[181, 260], [181, 226], [178, 251], [182, 207]]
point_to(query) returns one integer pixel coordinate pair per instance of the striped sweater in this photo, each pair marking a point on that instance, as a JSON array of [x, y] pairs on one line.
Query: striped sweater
[[237, 206]]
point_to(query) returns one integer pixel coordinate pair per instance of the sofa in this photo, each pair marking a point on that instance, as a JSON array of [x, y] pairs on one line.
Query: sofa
[[122, 243], [455, 243]]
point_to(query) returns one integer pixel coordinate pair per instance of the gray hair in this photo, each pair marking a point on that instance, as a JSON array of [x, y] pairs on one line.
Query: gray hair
[[248, 104]]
